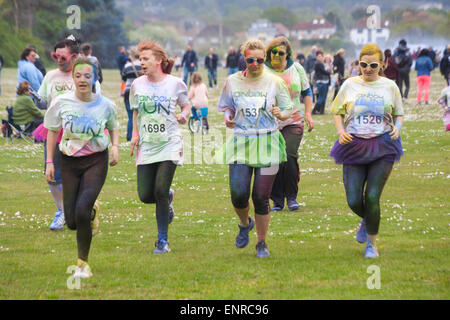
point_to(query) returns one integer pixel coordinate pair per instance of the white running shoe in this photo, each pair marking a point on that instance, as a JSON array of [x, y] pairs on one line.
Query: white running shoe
[[82, 271], [58, 222]]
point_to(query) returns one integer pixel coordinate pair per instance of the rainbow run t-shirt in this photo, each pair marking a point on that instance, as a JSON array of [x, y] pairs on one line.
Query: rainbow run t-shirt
[[368, 106], [296, 81], [84, 123], [160, 136]]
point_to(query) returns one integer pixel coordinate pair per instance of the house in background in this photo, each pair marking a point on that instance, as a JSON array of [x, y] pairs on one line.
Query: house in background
[[360, 34], [318, 28], [215, 35], [263, 30]]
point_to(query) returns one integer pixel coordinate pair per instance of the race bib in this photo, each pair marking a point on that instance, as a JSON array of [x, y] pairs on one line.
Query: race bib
[[154, 128], [369, 119], [252, 110]]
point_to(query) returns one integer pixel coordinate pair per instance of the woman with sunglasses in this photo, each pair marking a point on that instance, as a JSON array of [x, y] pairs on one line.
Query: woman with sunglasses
[[156, 134], [252, 100], [279, 62], [84, 115], [368, 113], [55, 83]]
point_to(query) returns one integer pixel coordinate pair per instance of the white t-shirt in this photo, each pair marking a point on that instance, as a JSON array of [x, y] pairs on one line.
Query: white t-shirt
[[84, 123], [160, 136], [368, 105]]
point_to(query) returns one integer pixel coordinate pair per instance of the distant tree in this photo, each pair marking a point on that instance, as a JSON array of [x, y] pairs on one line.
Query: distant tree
[[280, 15]]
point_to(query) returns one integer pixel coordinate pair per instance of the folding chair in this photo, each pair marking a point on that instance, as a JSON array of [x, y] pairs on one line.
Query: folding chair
[[14, 130]]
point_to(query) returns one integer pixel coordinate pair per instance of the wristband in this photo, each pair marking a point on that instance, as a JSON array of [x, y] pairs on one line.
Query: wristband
[[49, 161], [135, 134], [307, 113], [115, 145], [185, 113], [341, 132]]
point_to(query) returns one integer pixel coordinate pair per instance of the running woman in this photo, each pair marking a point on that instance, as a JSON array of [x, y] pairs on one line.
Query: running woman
[[368, 113], [252, 100], [156, 134], [279, 62], [55, 83], [84, 115]]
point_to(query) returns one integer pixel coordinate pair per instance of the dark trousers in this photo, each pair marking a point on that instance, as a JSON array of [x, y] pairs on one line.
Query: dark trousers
[[82, 179], [403, 77], [319, 107], [126, 98], [288, 176]]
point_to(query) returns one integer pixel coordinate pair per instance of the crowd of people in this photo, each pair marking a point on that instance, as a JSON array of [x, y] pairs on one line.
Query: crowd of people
[[266, 99]]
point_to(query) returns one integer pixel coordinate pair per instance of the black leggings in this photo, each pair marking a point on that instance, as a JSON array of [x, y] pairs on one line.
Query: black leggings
[[154, 182], [82, 179], [366, 202], [240, 181]]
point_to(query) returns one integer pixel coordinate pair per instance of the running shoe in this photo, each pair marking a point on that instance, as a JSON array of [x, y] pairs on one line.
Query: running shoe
[[293, 205], [371, 251], [361, 234], [95, 222], [242, 238], [58, 222], [277, 207], [171, 211], [82, 270], [162, 246], [261, 249]]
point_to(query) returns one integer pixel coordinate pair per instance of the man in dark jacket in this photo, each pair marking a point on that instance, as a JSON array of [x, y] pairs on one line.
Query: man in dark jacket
[[211, 61], [445, 65], [232, 61], [339, 68], [403, 59], [322, 80], [189, 63]]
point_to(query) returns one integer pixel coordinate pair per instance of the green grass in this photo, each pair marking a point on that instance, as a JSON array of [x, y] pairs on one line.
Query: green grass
[[313, 251]]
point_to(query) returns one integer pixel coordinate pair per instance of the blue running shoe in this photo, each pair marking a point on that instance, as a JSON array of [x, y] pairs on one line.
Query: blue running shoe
[[277, 207], [371, 251], [171, 211], [293, 205], [162, 246], [261, 249], [361, 234], [58, 222], [242, 238]]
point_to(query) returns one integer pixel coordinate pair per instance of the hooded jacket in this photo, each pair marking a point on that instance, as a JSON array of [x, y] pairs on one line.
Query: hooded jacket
[[403, 59]]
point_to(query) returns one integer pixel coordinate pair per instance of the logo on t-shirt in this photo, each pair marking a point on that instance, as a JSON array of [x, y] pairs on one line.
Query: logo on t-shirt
[[154, 104]]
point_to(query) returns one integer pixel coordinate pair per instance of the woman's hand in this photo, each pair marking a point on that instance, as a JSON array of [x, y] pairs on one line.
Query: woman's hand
[[229, 120], [50, 172], [278, 113], [134, 143], [181, 118], [114, 154], [345, 138], [309, 122], [395, 133]]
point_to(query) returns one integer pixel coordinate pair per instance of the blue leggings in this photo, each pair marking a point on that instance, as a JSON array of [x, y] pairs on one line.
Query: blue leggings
[[365, 202], [240, 181]]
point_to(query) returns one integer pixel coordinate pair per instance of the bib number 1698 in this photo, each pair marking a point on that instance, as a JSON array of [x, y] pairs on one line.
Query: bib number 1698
[[154, 128]]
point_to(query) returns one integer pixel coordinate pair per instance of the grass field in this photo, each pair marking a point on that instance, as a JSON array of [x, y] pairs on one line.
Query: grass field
[[314, 254]]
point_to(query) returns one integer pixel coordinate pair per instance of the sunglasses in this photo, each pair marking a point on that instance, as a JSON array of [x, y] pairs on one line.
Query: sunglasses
[[373, 65], [57, 57], [252, 60], [280, 53]]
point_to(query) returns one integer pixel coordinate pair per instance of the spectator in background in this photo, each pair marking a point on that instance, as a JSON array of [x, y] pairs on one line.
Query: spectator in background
[[121, 58], [432, 55], [424, 66], [445, 65], [86, 52], [25, 111], [339, 69], [390, 67], [27, 71], [189, 63], [354, 69], [322, 80], [232, 61], [177, 64], [1, 65], [403, 59], [131, 71], [211, 61], [38, 63], [310, 61], [300, 58]]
